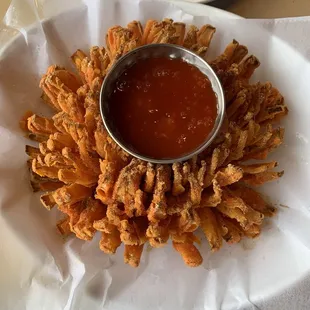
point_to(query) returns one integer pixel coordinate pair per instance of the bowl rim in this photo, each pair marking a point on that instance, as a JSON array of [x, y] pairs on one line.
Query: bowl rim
[[218, 121]]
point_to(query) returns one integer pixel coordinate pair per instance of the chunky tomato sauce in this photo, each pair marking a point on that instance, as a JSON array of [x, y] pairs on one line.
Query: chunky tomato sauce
[[163, 108]]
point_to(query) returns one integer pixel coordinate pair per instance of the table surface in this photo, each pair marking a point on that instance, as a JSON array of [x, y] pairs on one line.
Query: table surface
[[270, 8], [247, 8]]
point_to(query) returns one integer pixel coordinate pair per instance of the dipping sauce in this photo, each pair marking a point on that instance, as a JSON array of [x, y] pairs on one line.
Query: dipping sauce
[[163, 108]]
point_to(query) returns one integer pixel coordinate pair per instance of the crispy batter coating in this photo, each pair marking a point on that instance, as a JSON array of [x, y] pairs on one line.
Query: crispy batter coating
[[109, 242], [189, 253], [132, 254], [73, 211], [165, 31], [94, 210], [211, 228], [253, 199], [158, 232], [198, 40], [71, 194], [229, 175], [99, 187], [158, 207], [63, 226]]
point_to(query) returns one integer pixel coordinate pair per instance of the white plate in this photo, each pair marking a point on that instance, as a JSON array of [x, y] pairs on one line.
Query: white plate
[[198, 9], [27, 245], [24, 14]]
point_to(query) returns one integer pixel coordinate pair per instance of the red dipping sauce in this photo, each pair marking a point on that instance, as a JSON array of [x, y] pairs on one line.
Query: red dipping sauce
[[163, 108]]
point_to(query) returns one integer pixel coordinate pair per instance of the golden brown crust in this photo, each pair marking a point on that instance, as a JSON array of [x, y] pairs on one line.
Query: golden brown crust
[[132, 254], [189, 253], [99, 187]]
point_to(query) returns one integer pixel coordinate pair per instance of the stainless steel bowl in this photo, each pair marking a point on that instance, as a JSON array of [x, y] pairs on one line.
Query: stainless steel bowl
[[156, 51]]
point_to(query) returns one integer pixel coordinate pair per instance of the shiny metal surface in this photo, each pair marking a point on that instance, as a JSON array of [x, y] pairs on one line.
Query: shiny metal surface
[[151, 51]]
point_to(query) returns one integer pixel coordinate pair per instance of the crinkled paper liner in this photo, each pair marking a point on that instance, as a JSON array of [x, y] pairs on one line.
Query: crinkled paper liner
[[40, 271]]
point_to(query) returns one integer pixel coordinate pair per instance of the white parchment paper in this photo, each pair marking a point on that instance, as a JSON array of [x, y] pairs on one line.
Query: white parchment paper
[[40, 271]]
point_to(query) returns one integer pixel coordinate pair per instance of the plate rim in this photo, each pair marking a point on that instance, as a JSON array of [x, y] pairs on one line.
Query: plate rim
[[203, 9], [199, 9]]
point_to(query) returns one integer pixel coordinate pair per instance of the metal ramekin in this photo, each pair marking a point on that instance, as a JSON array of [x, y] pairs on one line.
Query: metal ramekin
[[150, 51]]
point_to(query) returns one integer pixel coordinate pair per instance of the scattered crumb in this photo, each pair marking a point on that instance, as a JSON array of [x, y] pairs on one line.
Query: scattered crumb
[[149, 248], [283, 206], [248, 244]]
